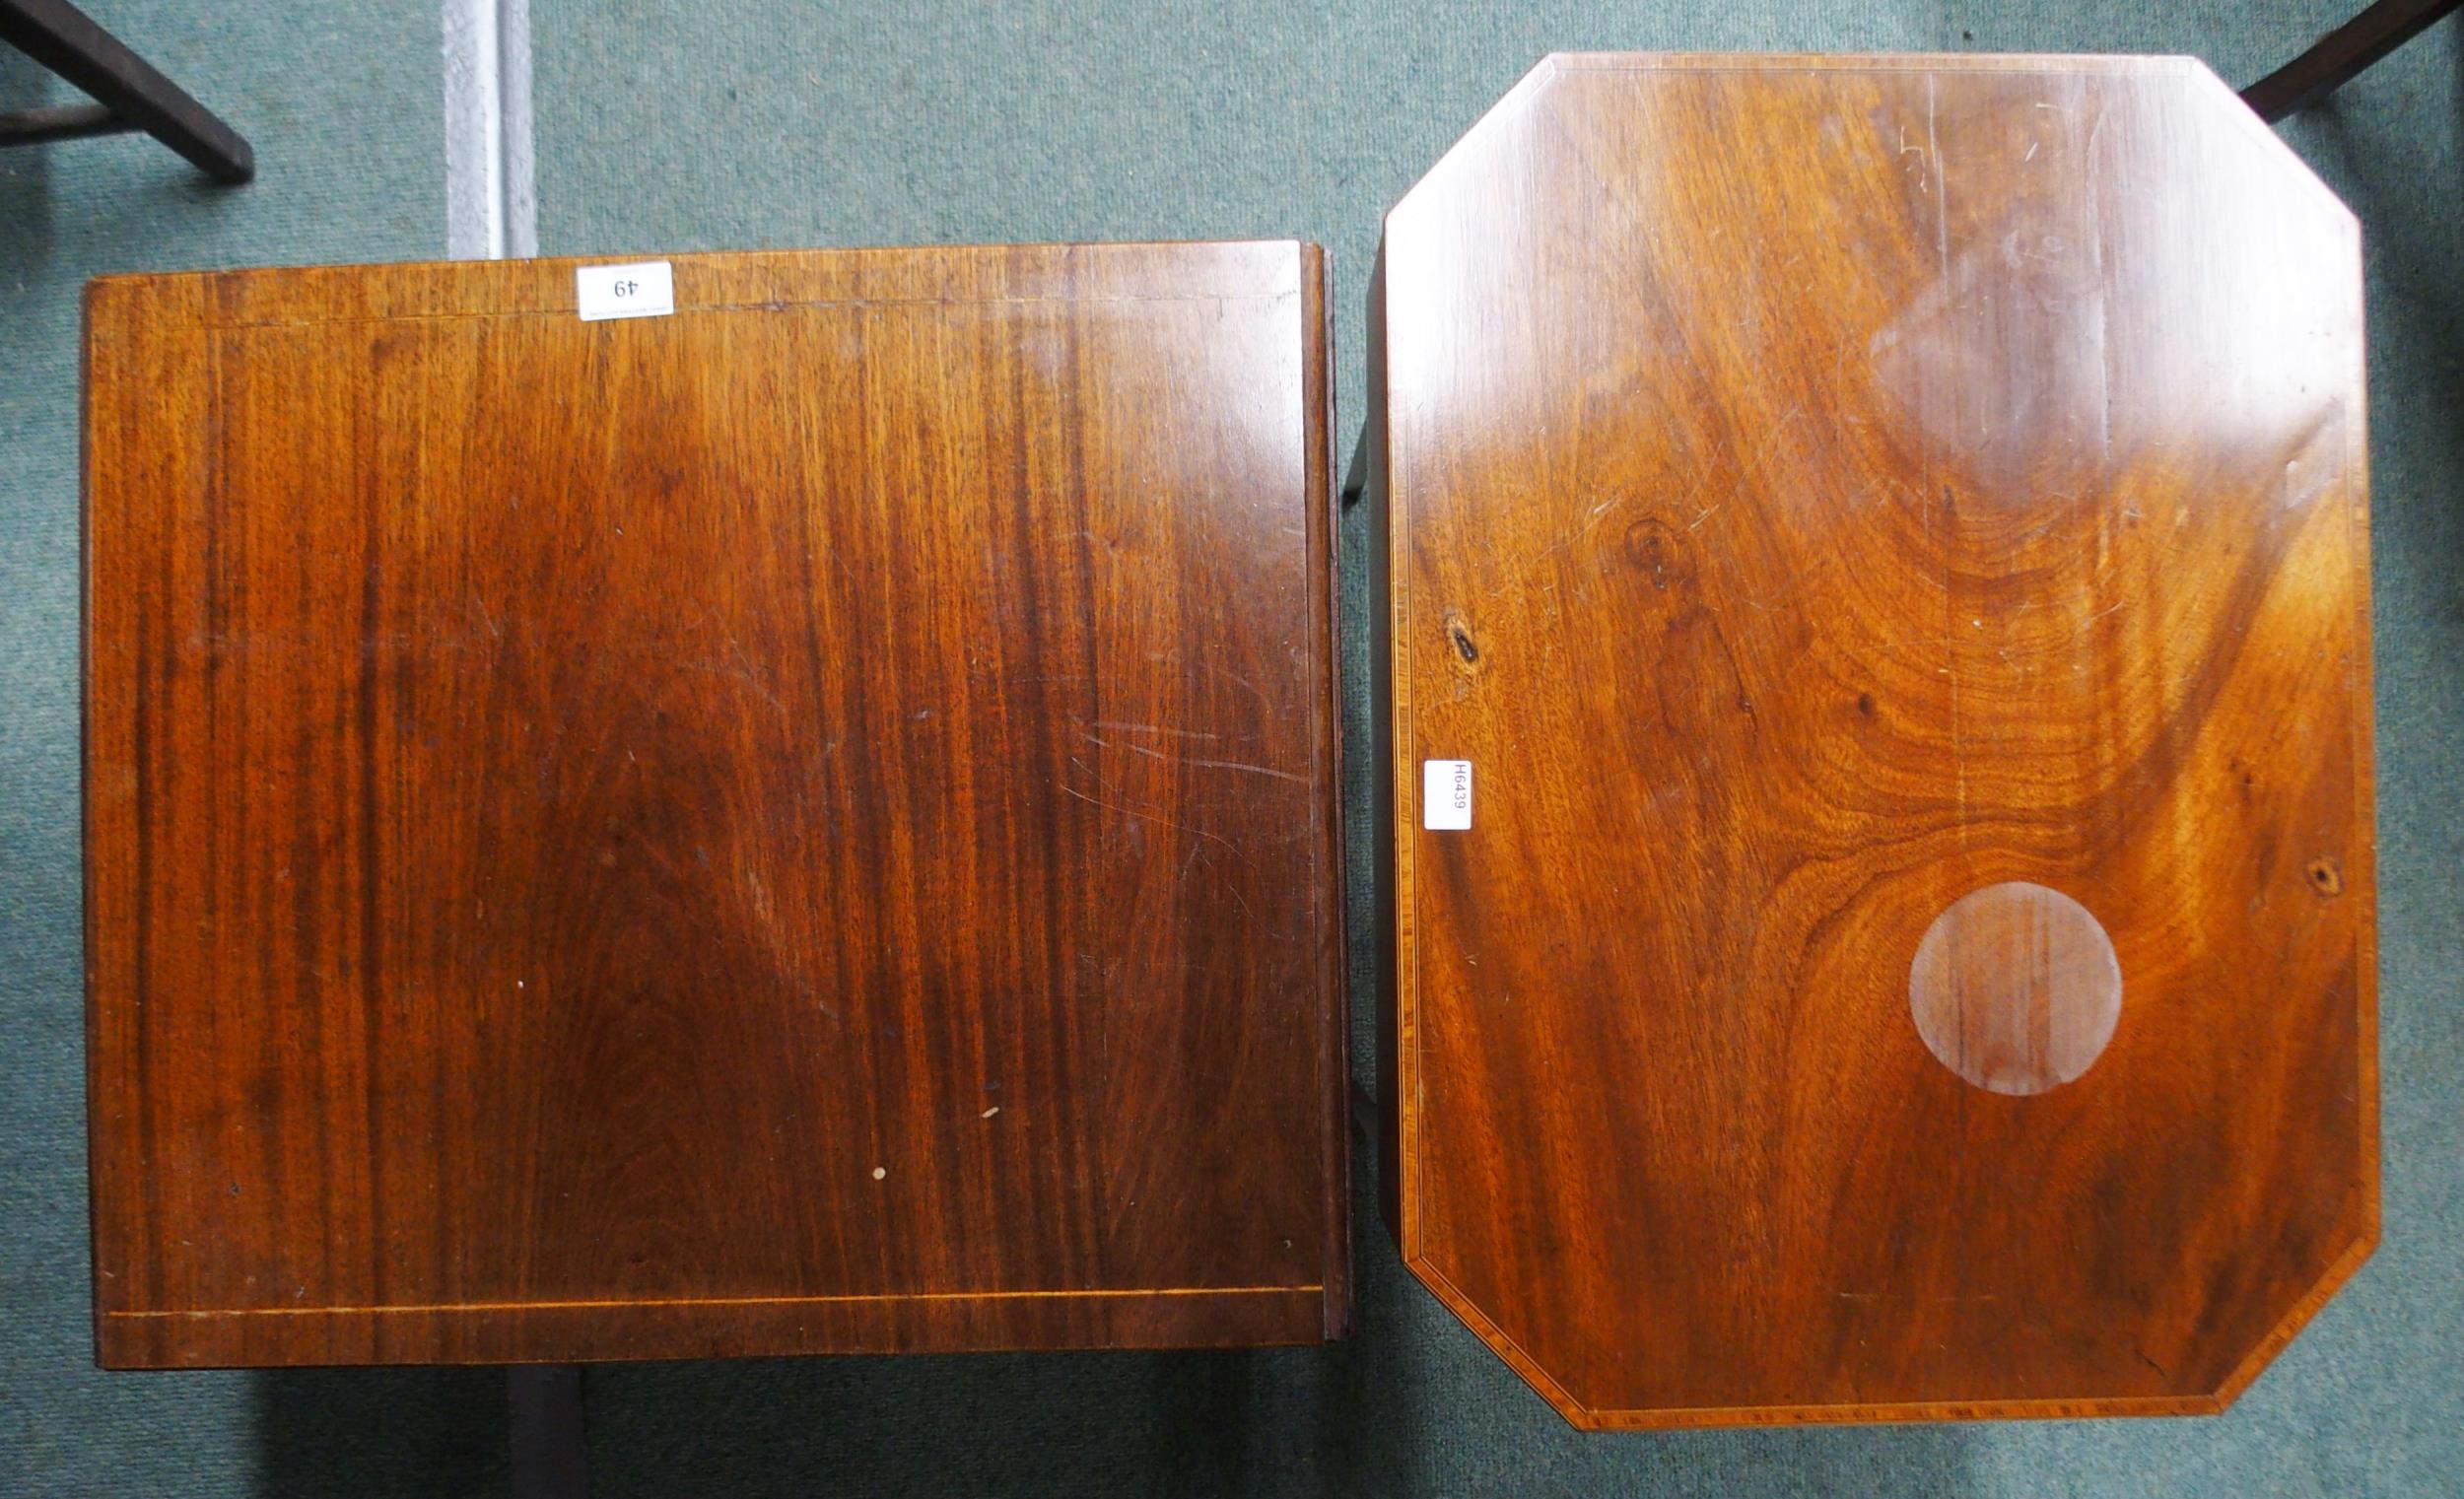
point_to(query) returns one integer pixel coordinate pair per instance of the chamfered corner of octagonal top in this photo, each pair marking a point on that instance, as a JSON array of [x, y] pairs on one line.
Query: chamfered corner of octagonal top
[[2290, 164], [1512, 1354], [2331, 1281], [1491, 126]]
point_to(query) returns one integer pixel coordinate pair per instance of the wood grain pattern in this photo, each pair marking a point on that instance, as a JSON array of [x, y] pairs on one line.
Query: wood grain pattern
[[1818, 490], [803, 825]]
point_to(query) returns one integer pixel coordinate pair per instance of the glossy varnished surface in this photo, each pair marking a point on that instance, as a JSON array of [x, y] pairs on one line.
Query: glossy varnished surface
[[803, 825], [1834, 502]]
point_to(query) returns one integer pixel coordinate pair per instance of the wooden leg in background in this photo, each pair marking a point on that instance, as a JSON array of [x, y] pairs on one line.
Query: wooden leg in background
[[551, 1453], [2342, 53], [59, 36]]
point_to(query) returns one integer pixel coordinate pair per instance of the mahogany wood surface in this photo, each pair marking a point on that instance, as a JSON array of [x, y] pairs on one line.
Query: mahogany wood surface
[[1832, 502], [808, 824]]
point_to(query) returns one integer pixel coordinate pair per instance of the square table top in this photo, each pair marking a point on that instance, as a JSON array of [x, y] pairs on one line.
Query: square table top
[[802, 824]]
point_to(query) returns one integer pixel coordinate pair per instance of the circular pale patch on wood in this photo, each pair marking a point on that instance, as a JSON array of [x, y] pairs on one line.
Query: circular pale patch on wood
[[2016, 988]]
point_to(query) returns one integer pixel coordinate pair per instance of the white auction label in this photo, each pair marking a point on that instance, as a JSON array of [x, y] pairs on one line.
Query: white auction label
[[1446, 795], [645, 290]]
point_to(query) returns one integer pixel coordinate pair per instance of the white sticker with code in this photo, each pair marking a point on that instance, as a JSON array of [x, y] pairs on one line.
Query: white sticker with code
[[645, 290], [1446, 795]]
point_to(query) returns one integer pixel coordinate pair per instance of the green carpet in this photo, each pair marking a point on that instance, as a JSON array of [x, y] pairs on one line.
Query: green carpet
[[667, 126]]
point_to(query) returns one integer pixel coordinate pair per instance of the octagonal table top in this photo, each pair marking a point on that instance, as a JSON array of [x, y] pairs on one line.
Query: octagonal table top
[[1877, 577]]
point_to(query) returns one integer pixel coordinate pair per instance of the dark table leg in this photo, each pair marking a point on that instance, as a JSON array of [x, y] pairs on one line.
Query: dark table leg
[[59, 36], [551, 1457], [2340, 54]]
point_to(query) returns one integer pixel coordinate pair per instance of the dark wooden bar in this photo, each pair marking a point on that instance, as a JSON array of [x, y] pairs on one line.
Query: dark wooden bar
[[2343, 54], [128, 88]]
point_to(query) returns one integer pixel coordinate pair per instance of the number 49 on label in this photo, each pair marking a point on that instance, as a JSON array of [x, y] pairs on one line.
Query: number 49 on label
[[645, 290]]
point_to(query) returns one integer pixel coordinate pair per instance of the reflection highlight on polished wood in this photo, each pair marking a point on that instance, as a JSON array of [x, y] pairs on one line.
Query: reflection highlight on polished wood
[[807, 824], [1889, 537]]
